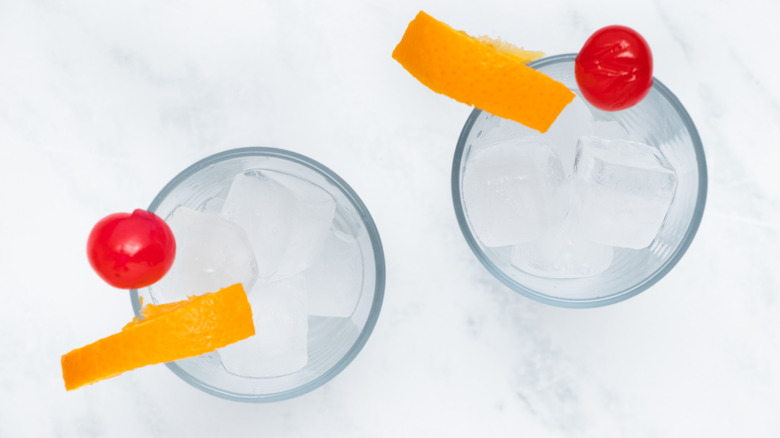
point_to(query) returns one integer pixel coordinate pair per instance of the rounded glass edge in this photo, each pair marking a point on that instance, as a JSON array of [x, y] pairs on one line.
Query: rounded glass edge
[[690, 233], [379, 262]]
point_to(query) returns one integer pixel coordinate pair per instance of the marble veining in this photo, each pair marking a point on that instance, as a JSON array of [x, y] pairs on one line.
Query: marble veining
[[101, 104]]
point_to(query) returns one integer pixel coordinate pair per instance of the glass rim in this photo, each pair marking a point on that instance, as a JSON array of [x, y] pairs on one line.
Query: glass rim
[[376, 246], [664, 269]]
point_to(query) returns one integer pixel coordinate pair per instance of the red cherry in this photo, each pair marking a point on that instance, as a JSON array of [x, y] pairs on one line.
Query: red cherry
[[130, 251], [614, 69]]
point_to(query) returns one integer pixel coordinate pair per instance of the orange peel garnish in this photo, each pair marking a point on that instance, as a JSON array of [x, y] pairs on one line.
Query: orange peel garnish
[[166, 332], [489, 74]]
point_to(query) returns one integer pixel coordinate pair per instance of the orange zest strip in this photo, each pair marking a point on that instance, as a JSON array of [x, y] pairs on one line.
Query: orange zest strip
[[167, 332], [478, 72]]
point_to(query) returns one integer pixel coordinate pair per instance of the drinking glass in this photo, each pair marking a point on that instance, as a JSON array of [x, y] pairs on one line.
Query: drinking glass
[[333, 342], [659, 120]]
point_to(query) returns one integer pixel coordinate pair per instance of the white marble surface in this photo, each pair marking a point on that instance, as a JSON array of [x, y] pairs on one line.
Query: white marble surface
[[100, 105]]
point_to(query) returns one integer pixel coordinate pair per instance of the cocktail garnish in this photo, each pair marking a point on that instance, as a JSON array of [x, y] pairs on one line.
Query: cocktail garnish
[[488, 74], [166, 332], [131, 251], [614, 68]]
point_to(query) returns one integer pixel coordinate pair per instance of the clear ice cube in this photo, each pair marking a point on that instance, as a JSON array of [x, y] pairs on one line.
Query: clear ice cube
[[562, 252], [514, 190], [265, 210], [211, 253], [623, 190], [336, 277], [311, 223], [279, 346]]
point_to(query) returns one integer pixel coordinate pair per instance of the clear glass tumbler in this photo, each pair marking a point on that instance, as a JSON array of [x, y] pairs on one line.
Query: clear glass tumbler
[[658, 120], [332, 342]]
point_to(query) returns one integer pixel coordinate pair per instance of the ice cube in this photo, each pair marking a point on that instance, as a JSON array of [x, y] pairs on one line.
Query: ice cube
[[279, 345], [562, 252], [336, 277], [211, 253], [311, 223], [623, 190], [265, 210], [512, 191]]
